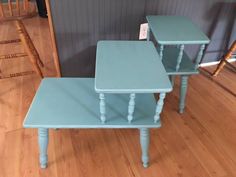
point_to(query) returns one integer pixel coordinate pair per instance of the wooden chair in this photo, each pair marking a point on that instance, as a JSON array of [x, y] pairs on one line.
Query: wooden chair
[[30, 51], [17, 9], [224, 59]]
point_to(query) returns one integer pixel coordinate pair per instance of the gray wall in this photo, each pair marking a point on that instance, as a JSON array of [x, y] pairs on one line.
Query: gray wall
[[79, 24]]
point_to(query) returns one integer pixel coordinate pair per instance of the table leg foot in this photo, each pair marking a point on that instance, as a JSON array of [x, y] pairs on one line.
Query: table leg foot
[[183, 91], [144, 141], [43, 146]]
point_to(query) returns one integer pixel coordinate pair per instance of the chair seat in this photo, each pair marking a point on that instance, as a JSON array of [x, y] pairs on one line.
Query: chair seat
[[170, 55], [73, 103]]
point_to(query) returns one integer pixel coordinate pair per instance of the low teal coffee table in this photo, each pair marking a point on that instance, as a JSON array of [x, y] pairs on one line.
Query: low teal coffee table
[[122, 68], [73, 103], [177, 32]]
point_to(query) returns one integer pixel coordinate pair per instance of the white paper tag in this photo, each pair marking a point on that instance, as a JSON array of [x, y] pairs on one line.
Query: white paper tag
[[143, 31]]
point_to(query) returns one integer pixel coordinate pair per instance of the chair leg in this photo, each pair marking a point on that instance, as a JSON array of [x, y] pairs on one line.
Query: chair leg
[[225, 58], [29, 47], [220, 66], [37, 68], [2, 10], [40, 63], [183, 92]]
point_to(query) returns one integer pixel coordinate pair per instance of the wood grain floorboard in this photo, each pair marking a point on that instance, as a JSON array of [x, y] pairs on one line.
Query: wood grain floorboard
[[199, 143]]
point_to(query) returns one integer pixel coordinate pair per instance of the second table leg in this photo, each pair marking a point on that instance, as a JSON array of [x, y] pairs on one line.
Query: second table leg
[[183, 92], [144, 141], [43, 146]]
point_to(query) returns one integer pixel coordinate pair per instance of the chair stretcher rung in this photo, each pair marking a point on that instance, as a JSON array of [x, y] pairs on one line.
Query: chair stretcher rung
[[17, 74], [10, 41], [12, 56]]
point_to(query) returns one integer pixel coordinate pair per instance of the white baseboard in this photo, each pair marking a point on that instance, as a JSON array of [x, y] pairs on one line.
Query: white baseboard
[[215, 63]]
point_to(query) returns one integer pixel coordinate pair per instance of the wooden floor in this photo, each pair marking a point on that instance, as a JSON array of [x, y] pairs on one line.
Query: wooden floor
[[199, 143]]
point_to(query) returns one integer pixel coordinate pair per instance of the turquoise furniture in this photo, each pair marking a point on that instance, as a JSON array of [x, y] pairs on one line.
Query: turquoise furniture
[[129, 67], [173, 33], [73, 102]]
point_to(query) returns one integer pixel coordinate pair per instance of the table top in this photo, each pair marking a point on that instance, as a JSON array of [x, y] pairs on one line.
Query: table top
[[174, 30], [129, 67], [73, 103]]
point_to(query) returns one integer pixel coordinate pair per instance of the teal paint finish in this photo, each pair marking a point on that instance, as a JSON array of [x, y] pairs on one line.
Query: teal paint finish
[[177, 31], [144, 141], [174, 30], [186, 67], [183, 92], [159, 107], [180, 56], [131, 107], [129, 67], [161, 51], [199, 56], [73, 103], [43, 146], [102, 107]]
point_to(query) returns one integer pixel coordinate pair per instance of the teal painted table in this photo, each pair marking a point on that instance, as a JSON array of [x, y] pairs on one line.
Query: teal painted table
[[130, 67], [121, 68], [73, 103], [177, 31]]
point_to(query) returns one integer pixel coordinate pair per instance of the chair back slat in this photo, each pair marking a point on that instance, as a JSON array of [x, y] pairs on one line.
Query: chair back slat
[[17, 9], [10, 7], [1, 10], [29, 46], [26, 5]]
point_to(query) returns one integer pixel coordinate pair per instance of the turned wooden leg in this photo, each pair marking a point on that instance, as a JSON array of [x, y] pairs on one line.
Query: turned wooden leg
[[183, 91], [159, 107], [220, 66], [43, 146], [226, 57], [102, 107], [131, 107], [144, 141]]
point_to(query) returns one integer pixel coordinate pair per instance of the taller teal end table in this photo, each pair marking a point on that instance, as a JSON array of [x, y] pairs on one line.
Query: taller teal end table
[[177, 31]]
